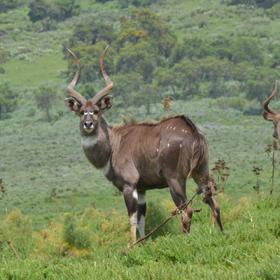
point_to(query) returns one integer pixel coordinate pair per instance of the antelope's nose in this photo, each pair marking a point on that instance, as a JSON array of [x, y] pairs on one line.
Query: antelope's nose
[[88, 124]]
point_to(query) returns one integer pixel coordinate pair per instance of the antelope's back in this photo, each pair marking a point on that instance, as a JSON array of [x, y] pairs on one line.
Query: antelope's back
[[150, 146]]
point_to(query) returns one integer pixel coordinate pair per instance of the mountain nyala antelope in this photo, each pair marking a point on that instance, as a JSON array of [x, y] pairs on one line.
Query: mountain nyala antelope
[[271, 115], [143, 156]]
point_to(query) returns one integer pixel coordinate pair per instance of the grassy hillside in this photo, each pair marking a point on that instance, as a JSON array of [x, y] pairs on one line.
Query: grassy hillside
[[67, 222]]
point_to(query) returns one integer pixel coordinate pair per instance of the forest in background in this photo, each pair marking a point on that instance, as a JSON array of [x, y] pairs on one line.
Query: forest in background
[[181, 49]]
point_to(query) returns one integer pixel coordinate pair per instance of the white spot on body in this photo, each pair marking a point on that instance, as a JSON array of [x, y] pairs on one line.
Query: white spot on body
[[180, 145], [168, 145], [89, 141]]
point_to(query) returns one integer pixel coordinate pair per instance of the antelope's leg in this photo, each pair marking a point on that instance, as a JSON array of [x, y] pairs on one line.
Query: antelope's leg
[[141, 213], [131, 204], [178, 194], [208, 189], [208, 199]]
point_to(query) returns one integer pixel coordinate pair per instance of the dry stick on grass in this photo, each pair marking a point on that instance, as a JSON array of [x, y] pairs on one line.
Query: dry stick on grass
[[273, 165], [270, 150], [11, 245], [222, 171], [2, 188], [257, 171], [166, 103]]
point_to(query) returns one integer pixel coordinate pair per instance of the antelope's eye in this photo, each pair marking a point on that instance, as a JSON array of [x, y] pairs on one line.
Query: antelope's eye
[[82, 112], [95, 112]]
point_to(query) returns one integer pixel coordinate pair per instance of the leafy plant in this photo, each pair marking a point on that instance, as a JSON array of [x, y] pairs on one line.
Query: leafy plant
[[45, 97], [222, 173], [8, 100]]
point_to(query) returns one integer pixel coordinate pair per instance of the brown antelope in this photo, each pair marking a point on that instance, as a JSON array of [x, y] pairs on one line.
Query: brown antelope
[[271, 115], [143, 156]]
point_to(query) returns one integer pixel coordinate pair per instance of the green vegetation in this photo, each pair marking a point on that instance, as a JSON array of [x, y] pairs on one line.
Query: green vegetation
[[59, 217], [8, 100]]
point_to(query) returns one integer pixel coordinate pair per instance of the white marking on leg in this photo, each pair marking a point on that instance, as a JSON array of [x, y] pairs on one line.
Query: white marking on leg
[[141, 198], [168, 145], [135, 195], [141, 226], [133, 227], [133, 219]]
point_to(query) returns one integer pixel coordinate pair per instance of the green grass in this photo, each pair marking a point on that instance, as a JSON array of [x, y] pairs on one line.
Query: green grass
[[249, 248], [41, 70]]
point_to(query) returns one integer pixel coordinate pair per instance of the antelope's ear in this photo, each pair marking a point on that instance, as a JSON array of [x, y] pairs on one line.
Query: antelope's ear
[[105, 103], [73, 104]]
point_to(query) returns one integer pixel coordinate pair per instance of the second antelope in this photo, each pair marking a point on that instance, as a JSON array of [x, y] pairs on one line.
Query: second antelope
[[271, 115], [143, 156]]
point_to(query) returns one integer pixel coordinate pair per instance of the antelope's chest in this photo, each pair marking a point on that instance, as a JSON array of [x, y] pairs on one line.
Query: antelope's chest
[[94, 151], [89, 142]]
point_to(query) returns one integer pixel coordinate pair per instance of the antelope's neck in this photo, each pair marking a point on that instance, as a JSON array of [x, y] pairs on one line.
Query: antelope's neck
[[97, 146]]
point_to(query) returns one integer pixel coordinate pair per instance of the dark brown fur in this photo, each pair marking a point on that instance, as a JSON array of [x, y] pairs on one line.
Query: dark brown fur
[[143, 156]]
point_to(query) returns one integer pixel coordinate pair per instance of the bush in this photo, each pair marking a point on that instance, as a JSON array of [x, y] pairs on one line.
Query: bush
[[74, 234], [6, 5], [137, 3], [45, 98], [17, 228], [58, 10], [8, 100]]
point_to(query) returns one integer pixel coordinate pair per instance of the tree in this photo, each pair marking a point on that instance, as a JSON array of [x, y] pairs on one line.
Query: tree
[[92, 31], [259, 3], [6, 5], [45, 98], [8, 100], [127, 89], [4, 56], [137, 3], [89, 55], [145, 25], [259, 82], [59, 10]]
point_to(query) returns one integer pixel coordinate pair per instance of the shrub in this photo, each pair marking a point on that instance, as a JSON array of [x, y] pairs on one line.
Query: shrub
[[74, 234], [17, 228], [45, 98], [59, 10], [6, 5], [8, 100]]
